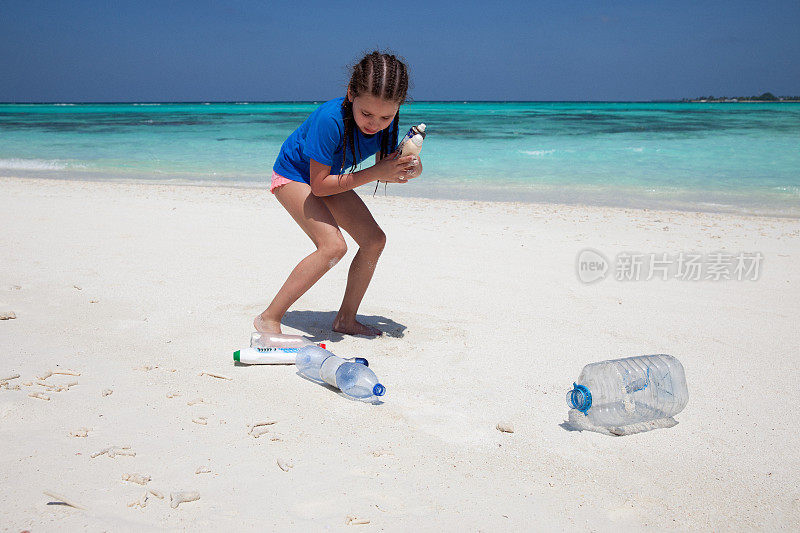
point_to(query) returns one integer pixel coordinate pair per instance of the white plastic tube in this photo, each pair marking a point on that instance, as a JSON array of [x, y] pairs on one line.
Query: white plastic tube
[[265, 356]]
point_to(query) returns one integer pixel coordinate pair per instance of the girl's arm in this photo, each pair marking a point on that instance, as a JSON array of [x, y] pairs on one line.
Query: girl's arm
[[323, 183]]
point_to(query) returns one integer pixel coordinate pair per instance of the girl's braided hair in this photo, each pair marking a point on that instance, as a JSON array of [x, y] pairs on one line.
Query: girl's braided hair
[[381, 75]]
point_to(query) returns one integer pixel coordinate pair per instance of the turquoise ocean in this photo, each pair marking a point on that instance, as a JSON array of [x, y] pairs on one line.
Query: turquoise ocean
[[742, 158]]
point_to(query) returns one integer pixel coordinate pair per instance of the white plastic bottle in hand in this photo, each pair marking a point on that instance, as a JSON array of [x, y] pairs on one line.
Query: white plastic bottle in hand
[[411, 143], [626, 391], [352, 377]]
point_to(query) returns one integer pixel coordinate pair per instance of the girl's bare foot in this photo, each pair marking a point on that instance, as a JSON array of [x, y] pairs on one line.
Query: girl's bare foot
[[266, 326], [354, 327]]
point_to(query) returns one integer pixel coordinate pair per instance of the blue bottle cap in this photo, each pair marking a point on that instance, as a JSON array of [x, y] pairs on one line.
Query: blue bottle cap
[[579, 398], [378, 390]]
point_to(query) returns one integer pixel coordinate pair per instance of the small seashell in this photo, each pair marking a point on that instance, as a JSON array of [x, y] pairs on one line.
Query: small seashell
[[177, 498], [285, 465], [141, 479], [7, 315], [258, 431], [505, 427], [107, 392]]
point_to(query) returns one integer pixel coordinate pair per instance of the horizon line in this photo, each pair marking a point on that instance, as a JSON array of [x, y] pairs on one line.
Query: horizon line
[[656, 100], [677, 100]]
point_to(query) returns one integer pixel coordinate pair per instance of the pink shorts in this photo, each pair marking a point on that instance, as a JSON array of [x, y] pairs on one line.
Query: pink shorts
[[277, 181]]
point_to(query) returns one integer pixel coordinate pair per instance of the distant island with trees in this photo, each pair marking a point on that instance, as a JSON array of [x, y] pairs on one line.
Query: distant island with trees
[[766, 97]]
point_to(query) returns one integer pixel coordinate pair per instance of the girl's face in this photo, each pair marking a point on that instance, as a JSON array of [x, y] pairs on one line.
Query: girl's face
[[372, 114]]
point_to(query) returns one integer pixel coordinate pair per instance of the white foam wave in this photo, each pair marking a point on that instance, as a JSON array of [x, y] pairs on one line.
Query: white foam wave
[[146, 104], [793, 190], [538, 153], [37, 164]]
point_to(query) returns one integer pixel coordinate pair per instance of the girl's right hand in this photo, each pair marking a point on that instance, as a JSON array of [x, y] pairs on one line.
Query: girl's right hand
[[395, 170]]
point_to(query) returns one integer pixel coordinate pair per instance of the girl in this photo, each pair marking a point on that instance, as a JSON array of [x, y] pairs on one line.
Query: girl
[[313, 178]]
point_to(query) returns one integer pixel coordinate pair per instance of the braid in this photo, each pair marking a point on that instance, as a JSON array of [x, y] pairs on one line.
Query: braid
[[378, 74], [387, 137], [381, 75], [391, 75], [384, 144], [349, 120]]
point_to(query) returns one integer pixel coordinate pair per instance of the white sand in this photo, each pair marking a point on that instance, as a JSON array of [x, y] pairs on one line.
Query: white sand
[[486, 322]]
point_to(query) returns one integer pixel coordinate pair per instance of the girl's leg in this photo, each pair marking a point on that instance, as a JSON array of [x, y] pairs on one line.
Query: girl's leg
[[353, 216], [313, 216]]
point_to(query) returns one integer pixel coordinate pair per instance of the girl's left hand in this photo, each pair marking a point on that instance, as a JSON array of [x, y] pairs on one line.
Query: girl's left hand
[[416, 168]]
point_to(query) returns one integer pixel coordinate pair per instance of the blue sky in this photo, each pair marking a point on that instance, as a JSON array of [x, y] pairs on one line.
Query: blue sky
[[245, 50]]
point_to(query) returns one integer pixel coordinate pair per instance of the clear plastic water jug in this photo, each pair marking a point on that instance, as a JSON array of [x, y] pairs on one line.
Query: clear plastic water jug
[[626, 391]]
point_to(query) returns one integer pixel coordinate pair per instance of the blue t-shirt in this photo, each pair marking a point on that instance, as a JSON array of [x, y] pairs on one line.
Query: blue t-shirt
[[320, 138]]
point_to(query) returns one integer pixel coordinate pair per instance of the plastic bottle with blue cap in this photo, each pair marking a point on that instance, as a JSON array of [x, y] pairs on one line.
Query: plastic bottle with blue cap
[[621, 392], [353, 378]]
